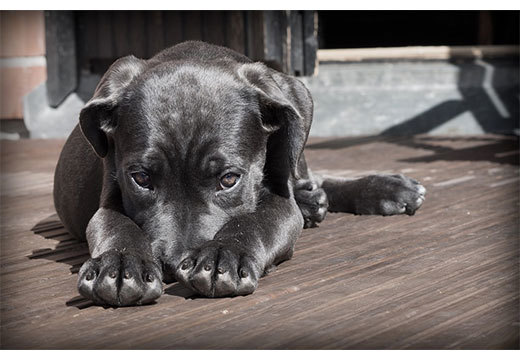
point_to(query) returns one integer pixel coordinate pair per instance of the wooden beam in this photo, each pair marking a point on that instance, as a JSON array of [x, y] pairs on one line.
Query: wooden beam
[[418, 53]]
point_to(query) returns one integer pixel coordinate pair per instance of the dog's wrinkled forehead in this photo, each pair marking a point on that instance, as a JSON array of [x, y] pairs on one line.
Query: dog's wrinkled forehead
[[190, 104]]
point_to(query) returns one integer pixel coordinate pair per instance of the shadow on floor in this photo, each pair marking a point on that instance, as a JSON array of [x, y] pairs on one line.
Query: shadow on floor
[[74, 253], [501, 150], [68, 250], [177, 289]]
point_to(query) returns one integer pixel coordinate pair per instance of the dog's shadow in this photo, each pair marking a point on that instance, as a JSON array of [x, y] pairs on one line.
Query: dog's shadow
[[75, 252], [68, 250]]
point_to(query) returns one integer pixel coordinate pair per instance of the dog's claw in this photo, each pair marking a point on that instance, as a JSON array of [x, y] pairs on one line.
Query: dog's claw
[[226, 271], [127, 280], [396, 194]]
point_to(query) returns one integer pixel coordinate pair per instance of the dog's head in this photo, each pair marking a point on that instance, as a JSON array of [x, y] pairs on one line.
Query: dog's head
[[190, 145]]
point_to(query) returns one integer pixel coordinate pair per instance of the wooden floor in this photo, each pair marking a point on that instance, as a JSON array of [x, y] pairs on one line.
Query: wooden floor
[[447, 277]]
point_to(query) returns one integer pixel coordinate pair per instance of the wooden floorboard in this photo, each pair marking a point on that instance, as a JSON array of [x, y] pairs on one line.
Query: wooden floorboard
[[445, 278]]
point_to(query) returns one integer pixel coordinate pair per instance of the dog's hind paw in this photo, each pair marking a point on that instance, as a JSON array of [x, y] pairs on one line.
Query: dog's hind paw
[[312, 201], [390, 195], [120, 279]]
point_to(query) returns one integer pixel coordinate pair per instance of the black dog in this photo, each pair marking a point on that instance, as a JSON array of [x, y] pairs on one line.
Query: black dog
[[189, 167]]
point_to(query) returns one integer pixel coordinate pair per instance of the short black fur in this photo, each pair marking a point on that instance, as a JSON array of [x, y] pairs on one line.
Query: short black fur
[[182, 120]]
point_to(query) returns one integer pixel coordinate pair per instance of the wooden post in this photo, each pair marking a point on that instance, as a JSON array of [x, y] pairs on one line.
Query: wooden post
[[192, 25], [275, 40], [255, 40], [235, 31], [296, 43], [172, 28], [310, 34], [60, 37], [290, 41], [213, 28], [155, 32]]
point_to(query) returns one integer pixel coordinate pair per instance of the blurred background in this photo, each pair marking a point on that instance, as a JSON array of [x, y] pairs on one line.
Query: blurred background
[[370, 72]]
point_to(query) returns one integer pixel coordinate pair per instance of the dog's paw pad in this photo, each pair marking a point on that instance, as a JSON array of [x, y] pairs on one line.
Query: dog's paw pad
[[389, 195], [405, 195], [218, 270], [120, 279]]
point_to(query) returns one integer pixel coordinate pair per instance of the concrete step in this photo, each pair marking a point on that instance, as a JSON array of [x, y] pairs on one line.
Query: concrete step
[[413, 97]]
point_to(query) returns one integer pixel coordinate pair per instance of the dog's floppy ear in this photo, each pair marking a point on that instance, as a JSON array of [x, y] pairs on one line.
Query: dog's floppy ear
[[286, 109], [97, 117]]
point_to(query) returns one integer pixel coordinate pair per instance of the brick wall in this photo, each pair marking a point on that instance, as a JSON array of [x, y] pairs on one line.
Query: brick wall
[[22, 58]]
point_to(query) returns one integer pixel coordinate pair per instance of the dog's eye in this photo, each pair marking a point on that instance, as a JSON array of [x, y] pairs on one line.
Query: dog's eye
[[142, 179], [229, 180]]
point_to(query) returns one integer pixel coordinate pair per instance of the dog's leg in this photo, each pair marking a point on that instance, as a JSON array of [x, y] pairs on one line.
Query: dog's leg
[[374, 195], [243, 250], [122, 270], [310, 197]]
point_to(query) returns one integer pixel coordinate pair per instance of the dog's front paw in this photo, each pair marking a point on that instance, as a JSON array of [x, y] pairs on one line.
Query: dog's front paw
[[120, 279], [312, 201], [218, 270], [390, 195]]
